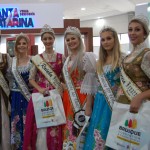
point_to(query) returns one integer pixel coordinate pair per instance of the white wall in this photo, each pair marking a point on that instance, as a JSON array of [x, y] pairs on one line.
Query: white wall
[[119, 23]]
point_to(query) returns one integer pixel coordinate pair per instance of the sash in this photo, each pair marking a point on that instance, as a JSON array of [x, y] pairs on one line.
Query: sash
[[22, 85], [79, 112], [110, 98], [129, 87], [4, 85], [47, 71]]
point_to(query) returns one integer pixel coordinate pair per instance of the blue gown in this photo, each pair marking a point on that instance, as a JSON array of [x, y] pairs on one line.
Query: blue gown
[[18, 108], [101, 115]]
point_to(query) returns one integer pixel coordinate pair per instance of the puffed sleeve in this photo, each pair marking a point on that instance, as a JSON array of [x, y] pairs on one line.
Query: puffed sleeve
[[90, 82], [145, 65], [9, 60], [33, 72]]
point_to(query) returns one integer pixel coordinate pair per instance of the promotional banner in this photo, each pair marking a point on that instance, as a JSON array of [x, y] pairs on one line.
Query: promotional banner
[[18, 16]]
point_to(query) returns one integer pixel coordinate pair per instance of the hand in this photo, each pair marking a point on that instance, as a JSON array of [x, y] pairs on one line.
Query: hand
[[64, 86], [136, 104], [44, 91]]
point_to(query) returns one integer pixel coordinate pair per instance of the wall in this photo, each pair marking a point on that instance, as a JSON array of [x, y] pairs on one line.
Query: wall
[[119, 22]]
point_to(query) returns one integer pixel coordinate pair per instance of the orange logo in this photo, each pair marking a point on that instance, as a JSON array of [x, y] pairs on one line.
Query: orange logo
[[131, 123]]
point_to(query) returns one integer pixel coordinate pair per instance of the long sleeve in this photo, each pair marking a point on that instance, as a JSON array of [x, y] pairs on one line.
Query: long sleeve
[[145, 65], [90, 82]]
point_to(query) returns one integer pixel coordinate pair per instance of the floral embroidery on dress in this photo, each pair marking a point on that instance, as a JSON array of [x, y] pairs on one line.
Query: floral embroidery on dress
[[54, 132], [99, 142]]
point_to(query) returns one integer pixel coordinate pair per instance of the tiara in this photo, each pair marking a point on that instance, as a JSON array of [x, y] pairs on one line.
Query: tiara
[[141, 18], [47, 28], [107, 28], [73, 30], [22, 35]]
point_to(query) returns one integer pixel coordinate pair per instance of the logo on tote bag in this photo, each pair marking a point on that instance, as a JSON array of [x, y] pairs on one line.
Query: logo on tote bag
[[131, 123], [129, 134], [47, 110]]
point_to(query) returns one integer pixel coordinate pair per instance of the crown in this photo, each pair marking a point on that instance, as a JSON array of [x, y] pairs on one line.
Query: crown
[[47, 28], [22, 35], [73, 30], [142, 19]]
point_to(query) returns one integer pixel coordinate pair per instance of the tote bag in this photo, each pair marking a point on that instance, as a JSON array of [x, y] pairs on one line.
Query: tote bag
[[49, 110], [129, 131]]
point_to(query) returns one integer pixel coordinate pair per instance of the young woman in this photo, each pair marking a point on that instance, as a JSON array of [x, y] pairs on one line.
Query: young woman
[[5, 63], [136, 64], [108, 77], [20, 91], [134, 89], [49, 138], [74, 72]]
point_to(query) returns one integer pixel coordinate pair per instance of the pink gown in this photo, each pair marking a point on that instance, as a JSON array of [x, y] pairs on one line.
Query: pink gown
[[51, 136]]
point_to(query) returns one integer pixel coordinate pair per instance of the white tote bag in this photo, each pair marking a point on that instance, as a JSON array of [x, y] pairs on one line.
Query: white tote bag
[[49, 111], [129, 131]]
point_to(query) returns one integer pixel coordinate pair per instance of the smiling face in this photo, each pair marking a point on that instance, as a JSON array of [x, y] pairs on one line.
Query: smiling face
[[72, 42], [107, 40], [136, 33], [22, 46], [48, 40]]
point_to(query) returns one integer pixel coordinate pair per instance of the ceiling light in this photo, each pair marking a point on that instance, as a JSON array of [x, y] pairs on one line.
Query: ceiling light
[[141, 4], [83, 8], [100, 22]]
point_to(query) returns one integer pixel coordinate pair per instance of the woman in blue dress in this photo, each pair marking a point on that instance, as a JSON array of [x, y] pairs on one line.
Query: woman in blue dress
[[20, 92], [108, 73]]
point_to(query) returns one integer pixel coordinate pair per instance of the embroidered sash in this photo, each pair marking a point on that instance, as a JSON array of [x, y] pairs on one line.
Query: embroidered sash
[[110, 98], [22, 85], [79, 112], [130, 89], [4, 84], [47, 71]]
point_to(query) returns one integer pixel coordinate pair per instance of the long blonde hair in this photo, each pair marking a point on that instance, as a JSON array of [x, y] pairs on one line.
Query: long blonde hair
[[116, 52], [78, 60]]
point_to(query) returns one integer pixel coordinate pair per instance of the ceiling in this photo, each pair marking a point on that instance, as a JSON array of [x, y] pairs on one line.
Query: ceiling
[[94, 8]]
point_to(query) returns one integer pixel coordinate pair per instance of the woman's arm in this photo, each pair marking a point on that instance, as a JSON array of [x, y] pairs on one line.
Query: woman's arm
[[138, 100], [35, 85], [89, 104]]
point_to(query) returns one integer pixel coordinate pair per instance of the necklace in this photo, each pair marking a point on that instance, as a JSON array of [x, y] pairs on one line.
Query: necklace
[[50, 56]]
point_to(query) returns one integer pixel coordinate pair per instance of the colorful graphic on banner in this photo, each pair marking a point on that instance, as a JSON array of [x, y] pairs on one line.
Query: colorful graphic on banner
[[15, 18]]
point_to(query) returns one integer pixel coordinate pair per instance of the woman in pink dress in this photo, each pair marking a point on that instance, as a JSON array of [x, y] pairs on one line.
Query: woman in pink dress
[[49, 138]]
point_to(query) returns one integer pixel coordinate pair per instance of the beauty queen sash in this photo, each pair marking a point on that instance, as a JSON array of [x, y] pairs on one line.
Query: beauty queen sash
[[130, 89], [79, 112], [110, 98], [4, 84], [47, 71], [22, 85]]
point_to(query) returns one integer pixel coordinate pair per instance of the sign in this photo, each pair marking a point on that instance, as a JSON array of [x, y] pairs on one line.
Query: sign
[[31, 16]]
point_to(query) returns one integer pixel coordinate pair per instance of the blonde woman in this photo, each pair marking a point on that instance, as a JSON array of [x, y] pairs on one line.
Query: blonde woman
[[108, 73], [20, 90], [74, 71]]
